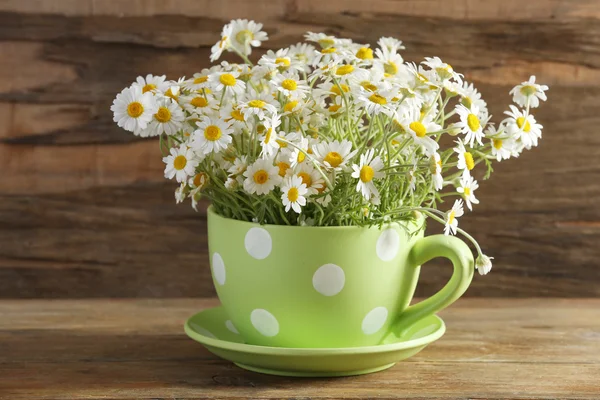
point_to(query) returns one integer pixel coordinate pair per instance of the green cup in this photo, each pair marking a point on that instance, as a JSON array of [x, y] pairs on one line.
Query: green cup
[[327, 287]]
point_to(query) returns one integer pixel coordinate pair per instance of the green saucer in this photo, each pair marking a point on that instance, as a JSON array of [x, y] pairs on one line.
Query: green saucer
[[213, 329]]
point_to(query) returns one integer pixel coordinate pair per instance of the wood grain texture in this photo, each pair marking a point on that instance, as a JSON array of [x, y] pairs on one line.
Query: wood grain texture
[[85, 211], [136, 349]]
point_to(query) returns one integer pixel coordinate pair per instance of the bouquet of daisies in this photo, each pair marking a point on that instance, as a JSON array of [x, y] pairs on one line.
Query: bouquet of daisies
[[328, 132]]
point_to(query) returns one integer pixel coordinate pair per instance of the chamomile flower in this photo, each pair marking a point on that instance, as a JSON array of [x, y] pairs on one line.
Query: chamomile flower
[[471, 124], [452, 218], [223, 44], [258, 104], [227, 81], [181, 163], [465, 158], [471, 97], [529, 93], [239, 165], [435, 167], [368, 169], [246, 34], [302, 54], [483, 264], [377, 102], [212, 135], [298, 156], [231, 114], [443, 70], [390, 44], [168, 119], [199, 103], [523, 127], [419, 129], [334, 154], [310, 176], [290, 85], [152, 83], [268, 140], [279, 60], [261, 177], [324, 41], [133, 110], [199, 80], [293, 193], [467, 188], [502, 147]]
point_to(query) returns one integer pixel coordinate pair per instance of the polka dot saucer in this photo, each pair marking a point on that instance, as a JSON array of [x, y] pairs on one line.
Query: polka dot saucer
[[214, 330]]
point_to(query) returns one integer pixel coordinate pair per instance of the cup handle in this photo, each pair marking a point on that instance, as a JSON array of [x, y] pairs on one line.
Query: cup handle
[[461, 257]]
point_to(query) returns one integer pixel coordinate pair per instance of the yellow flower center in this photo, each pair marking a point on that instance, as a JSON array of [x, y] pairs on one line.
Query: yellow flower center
[[467, 191], [223, 41], [227, 79], [497, 143], [163, 115], [200, 79], [469, 160], [473, 122], [261, 176], [200, 179], [333, 158], [368, 86], [283, 167], [135, 109], [527, 90], [366, 173], [336, 89], [334, 108], [289, 84], [444, 72], [148, 88], [301, 157], [306, 178], [324, 43], [390, 68], [237, 115], [398, 126], [282, 61], [289, 107], [328, 50], [212, 133], [244, 36], [418, 128], [268, 135], [169, 93], [292, 194], [523, 124], [377, 99], [179, 162], [364, 53], [451, 216], [199, 102], [256, 103], [344, 69]]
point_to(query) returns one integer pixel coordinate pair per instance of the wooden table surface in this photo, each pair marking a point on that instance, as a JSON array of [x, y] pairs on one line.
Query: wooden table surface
[[136, 349]]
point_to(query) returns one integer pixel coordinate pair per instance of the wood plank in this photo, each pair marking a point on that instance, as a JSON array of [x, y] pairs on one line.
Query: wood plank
[[132, 349]]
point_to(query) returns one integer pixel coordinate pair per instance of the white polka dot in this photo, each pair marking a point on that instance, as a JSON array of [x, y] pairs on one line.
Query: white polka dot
[[218, 268], [388, 244], [264, 322], [258, 243], [374, 320], [203, 331], [231, 326], [329, 280]]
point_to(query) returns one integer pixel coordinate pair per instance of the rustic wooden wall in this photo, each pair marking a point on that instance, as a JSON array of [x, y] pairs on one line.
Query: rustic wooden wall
[[84, 209]]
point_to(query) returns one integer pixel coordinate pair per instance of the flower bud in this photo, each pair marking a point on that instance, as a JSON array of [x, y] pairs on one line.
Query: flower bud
[[483, 264]]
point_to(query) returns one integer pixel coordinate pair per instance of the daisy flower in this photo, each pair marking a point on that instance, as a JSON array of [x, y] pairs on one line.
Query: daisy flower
[[529, 93], [223, 44], [325, 41], [212, 135], [152, 83], [375, 102], [436, 171], [471, 97], [502, 147], [246, 34], [298, 156], [470, 124], [261, 177], [293, 192], [303, 54], [419, 129], [368, 169], [199, 80], [227, 81], [311, 177], [133, 110], [257, 104], [465, 158], [467, 188], [199, 103], [334, 154], [239, 165], [390, 44], [443, 70], [268, 141], [168, 119], [483, 264], [452, 217], [290, 85], [279, 60], [523, 127], [232, 115], [181, 163]]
